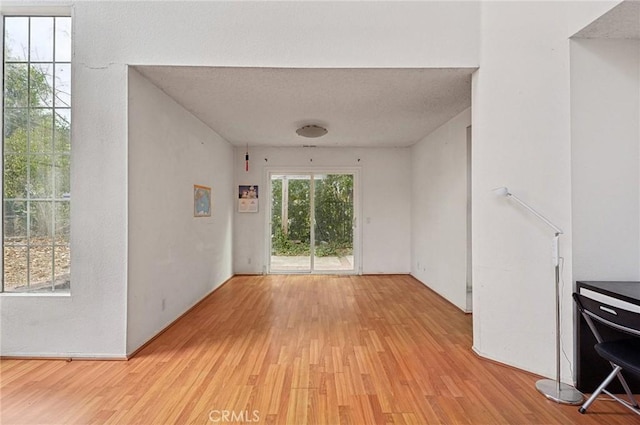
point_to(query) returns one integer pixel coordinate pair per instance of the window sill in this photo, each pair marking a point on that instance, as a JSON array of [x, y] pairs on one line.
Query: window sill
[[35, 294]]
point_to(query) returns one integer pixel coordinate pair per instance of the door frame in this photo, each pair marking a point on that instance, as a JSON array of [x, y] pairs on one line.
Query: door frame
[[357, 219]]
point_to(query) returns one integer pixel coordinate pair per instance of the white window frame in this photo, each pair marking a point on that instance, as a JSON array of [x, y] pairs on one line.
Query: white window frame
[[17, 10]]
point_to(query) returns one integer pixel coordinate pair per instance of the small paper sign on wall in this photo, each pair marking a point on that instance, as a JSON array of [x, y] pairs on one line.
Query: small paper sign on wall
[[248, 198]]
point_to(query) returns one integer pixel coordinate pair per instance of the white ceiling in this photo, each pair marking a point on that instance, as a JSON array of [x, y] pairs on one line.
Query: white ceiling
[[360, 107], [623, 21]]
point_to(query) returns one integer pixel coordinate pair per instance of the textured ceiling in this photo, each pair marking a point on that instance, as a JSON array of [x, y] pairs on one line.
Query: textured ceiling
[[360, 107], [623, 21]]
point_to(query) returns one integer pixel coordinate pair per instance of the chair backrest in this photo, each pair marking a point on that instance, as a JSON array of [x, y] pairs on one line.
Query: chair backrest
[[615, 317]]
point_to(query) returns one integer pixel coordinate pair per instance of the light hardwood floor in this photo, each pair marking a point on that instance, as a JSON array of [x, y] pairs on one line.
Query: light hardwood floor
[[296, 350]]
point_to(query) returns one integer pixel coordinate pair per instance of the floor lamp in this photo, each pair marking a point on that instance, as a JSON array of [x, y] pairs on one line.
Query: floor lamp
[[553, 390]]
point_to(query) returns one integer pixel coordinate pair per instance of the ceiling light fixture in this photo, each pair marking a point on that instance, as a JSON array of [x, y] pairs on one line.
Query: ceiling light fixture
[[311, 130]]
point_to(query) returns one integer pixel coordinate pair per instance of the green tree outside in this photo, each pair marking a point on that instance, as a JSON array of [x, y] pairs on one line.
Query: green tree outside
[[36, 174], [333, 216]]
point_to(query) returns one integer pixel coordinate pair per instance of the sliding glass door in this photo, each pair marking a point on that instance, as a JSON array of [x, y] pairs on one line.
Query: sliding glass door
[[312, 223], [290, 223]]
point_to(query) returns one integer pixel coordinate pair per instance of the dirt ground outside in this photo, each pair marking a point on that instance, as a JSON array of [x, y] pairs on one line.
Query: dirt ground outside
[[36, 263]]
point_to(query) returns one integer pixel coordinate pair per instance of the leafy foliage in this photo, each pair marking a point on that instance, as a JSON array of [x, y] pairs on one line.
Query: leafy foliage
[[36, 178], [333, 216], [36, 152], [334, 209]]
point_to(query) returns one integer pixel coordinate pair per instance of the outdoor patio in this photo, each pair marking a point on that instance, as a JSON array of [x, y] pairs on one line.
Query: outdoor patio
[[303, 263]]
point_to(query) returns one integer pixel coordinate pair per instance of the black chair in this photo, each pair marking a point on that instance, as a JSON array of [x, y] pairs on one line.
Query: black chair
[[623, 354]]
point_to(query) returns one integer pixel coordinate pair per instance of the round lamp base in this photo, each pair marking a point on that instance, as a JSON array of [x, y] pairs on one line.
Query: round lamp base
[[566, 394]]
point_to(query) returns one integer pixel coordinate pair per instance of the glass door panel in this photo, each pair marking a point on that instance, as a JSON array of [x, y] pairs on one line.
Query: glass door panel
[[300, 200], [333, 222], [290, 223]]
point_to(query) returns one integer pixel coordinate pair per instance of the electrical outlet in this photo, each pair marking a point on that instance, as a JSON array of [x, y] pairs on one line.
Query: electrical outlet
[[164, 303]]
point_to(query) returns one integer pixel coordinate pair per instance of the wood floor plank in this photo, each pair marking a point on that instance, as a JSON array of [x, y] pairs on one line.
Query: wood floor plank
[[296, 350]]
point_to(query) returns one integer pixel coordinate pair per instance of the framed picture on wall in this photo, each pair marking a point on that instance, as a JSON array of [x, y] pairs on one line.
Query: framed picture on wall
[[201, 201], [248, 198]]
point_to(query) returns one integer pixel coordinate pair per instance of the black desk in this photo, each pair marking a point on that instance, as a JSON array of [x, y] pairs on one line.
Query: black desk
[[591, 369]]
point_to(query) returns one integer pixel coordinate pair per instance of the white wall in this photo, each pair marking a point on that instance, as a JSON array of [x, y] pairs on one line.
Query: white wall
[[108, 36], [439, 210], [605, 105], [174, 258], [282, 34], [521, 139], [385, 202], [91, 321]]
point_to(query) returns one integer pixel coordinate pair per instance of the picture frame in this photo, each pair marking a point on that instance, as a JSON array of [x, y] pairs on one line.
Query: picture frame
[[201, 201], [248, 198]]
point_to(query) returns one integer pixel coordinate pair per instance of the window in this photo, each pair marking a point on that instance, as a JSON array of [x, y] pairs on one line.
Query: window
[[36, 146]]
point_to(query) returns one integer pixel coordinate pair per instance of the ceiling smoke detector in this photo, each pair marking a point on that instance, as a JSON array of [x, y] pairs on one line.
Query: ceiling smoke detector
[[311, 130]]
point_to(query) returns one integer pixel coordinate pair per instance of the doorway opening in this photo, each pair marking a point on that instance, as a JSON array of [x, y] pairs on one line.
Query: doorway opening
[[312, 222]]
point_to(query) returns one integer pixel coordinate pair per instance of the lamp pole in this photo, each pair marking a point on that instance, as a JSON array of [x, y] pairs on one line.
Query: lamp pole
[[553, 390]]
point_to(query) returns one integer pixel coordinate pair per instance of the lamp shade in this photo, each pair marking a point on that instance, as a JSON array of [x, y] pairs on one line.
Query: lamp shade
[[501, 191]]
